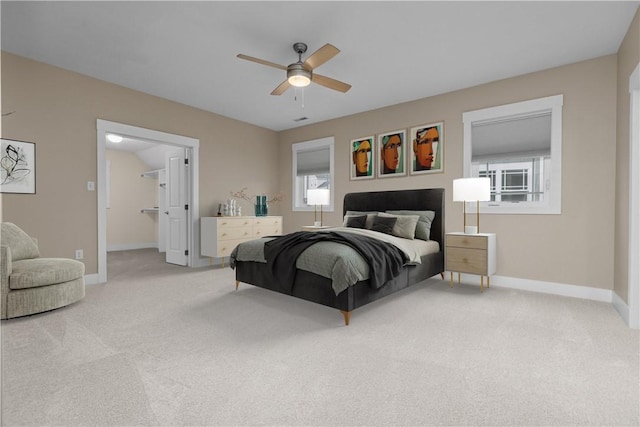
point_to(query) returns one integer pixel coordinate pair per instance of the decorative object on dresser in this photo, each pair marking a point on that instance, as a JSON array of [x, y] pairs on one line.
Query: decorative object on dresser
[[336, 274], [219, 235], [318, 197], [469, 190], [471, 253], [260, 202]]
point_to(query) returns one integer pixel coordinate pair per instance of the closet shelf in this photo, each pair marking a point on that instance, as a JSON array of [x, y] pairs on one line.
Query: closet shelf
[[151, 174]]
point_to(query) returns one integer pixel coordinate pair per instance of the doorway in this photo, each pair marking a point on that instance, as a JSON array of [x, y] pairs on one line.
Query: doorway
[[191, 197], [634, 200]]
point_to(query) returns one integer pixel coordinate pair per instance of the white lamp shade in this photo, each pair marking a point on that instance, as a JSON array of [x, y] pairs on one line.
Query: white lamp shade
[[318, 196], [471, 189]]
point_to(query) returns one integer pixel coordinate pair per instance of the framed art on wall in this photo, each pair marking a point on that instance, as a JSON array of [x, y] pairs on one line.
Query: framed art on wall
[[17, 167], [392, 154], [427, 148], [362, 158]]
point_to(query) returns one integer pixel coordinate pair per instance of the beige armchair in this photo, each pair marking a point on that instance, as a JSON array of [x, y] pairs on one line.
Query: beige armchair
[[31, 284]]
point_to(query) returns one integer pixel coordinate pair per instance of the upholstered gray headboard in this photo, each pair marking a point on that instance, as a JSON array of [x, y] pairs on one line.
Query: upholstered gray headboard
[[431, 199]]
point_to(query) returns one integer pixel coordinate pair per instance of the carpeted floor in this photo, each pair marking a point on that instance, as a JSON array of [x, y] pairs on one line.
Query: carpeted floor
[[165, 345]]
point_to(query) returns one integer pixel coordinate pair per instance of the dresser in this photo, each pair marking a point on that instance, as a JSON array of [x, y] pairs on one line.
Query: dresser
[[219, 235], [471, 253]]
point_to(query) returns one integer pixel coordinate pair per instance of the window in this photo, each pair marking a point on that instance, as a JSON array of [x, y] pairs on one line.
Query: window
[[518, 146], [312, 168]]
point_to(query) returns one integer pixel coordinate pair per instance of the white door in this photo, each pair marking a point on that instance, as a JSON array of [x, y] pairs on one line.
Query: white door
[[177, 209]]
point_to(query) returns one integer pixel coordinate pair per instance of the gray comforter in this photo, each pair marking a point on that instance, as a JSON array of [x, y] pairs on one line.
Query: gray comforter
[[340, 263]]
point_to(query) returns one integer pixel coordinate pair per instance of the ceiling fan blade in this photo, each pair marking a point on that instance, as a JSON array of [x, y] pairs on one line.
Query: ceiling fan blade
[[281, 88], [330, 83], [261, 61], [321, 56]]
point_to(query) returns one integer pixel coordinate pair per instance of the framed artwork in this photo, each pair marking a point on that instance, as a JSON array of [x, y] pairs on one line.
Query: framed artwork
[[391, 146], [362, 158], [427, 148], [17, 167]]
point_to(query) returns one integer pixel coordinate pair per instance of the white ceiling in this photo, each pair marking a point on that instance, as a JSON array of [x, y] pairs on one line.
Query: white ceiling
[[391, 52]]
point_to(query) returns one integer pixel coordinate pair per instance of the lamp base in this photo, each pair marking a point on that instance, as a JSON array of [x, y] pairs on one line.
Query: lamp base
[[470, 229]]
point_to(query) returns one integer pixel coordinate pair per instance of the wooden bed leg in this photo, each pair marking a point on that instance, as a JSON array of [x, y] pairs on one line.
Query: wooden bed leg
[[347, 317], [237, 283], [442, 275]]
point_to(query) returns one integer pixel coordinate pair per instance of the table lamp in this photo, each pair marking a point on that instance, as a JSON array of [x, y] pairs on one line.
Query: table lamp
[[469, 190], [315, 197]]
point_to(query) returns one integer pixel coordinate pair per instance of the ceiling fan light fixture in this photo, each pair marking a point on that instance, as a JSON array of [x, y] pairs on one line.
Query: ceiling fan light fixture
[[114, 138], [297, 76]]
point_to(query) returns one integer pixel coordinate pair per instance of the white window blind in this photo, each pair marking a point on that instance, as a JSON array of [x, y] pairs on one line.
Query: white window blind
[[313, 162], [513, 137]]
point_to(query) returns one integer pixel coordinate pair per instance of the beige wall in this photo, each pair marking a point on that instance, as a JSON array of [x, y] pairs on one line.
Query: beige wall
[[129, 193], [57, 110], [628, 59], [575, 247]]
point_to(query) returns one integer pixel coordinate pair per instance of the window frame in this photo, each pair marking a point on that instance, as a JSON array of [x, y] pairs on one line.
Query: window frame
[[552, 203], [312, 145]]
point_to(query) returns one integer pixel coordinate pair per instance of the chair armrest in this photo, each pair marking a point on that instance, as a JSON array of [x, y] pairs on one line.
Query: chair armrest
[[5, 268]]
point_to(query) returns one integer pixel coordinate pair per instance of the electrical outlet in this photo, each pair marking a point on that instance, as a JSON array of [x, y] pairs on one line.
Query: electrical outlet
[[91, 186], [79, 254]]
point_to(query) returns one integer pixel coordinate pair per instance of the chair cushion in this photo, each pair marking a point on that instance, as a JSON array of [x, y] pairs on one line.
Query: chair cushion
[[22, 246], [33, 273]]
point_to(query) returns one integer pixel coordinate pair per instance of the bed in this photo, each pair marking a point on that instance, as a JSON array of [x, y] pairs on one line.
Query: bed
[[317, 288]]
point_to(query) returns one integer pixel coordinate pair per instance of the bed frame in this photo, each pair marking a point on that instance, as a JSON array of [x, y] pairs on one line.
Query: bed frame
[[315, 288]]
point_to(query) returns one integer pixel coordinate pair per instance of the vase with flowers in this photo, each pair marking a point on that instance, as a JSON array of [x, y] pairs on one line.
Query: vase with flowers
[[260, 202]]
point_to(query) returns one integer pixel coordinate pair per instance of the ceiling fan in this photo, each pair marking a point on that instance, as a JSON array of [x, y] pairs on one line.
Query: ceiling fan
[[300, 74]]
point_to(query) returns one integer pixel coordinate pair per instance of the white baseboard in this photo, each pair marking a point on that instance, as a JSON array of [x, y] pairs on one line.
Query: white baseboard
[[621, 307], [131, 246], [91, 279], [584, 292]]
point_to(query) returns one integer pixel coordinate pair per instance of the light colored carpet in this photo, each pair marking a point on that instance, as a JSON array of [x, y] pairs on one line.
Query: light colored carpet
[[165, 345]]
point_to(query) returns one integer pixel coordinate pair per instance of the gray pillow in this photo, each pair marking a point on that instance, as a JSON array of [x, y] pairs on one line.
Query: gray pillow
[[370, 217], [405, 225], [384, 224], [356, 221], [22, 246], [423, 228]]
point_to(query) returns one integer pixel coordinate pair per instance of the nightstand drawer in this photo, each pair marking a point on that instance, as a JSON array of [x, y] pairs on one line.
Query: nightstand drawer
[[471, 242], [465, 260]]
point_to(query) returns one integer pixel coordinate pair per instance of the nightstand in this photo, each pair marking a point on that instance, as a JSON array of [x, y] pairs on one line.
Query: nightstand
[[471, 253], [314, 227]]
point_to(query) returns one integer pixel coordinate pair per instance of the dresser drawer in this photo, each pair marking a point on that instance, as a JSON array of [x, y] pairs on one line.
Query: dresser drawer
[[271, 221], [471, 242], [465, 260], [226, 223], [226, 246], [267, 230], [230, 233]]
